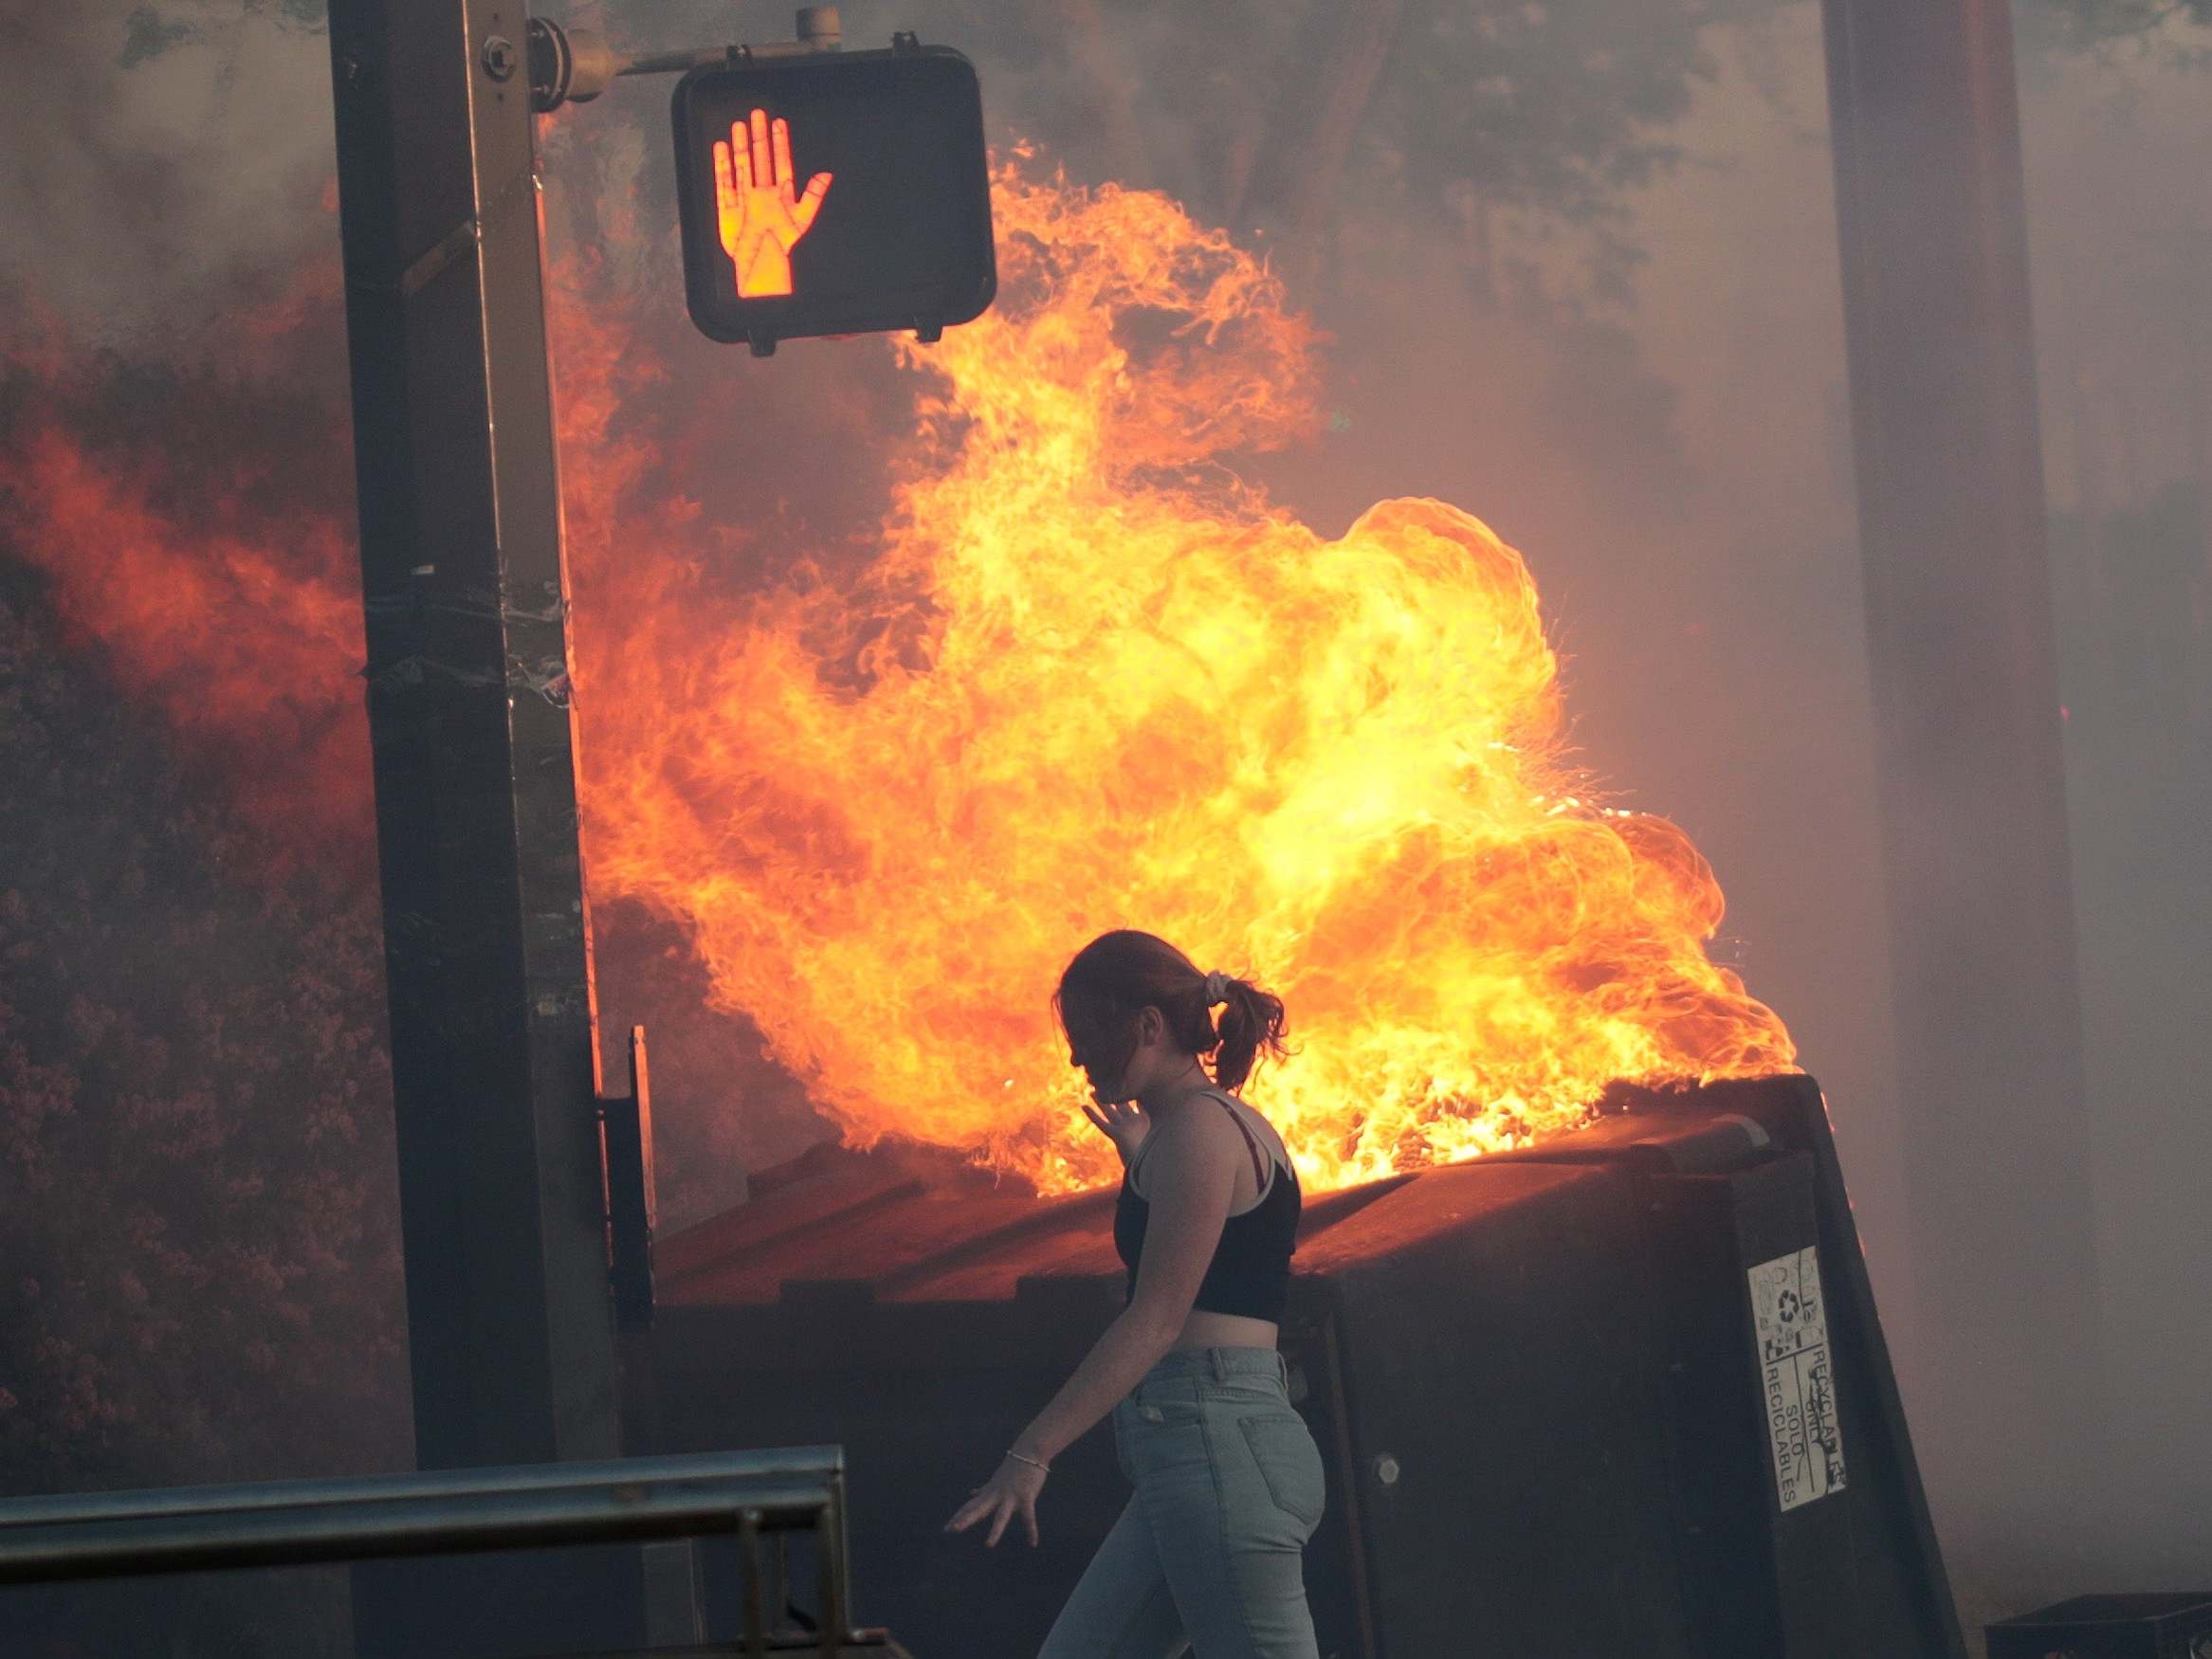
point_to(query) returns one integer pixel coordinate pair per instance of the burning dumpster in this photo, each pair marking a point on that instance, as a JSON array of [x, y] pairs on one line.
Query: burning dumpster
[[1622, 1392]]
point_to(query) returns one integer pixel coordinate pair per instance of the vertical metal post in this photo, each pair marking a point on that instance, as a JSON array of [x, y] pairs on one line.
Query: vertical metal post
[[1929, 193], [626, 1145], [485, 933]]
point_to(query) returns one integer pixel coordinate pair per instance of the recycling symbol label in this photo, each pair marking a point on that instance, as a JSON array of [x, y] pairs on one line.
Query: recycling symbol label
[[1797, 1385]]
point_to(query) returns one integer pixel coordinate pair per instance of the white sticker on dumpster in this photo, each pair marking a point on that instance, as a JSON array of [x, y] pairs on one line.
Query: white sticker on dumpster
[[1797, 1381]]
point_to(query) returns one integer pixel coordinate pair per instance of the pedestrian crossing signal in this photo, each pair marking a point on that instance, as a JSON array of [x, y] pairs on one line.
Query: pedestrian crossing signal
[[838, 193]]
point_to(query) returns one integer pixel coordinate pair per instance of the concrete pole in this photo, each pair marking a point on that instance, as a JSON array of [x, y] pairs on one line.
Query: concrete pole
[[486, 938], [1945, 422], [511, 1331]]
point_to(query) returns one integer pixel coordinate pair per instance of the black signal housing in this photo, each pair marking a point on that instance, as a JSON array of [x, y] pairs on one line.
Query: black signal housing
[[900, 239]]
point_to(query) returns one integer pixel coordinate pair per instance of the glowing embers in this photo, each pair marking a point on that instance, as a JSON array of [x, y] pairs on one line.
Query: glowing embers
[[761, 215]]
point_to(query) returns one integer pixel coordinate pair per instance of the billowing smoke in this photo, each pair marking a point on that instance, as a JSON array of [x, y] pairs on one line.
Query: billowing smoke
[[163, 163]]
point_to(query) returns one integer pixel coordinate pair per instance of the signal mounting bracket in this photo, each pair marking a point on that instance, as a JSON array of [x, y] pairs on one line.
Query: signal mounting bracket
[[574, 66]]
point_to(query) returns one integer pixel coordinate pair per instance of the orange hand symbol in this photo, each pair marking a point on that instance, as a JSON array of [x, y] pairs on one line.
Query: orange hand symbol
[[761, 216]]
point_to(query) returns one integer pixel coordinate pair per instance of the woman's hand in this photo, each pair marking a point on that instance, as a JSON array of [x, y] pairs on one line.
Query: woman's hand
[[1122, 1123], [1012, 1489]]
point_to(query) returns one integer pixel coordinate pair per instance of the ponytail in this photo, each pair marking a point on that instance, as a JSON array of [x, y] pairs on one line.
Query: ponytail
[[1252, 1021], [1119, 973]]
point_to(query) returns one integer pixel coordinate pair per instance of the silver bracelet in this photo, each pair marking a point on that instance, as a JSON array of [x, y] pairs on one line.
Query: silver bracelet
[[1030, 1461]]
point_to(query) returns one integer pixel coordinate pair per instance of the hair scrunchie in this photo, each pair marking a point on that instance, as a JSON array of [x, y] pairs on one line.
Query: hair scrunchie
[[1217, 985]]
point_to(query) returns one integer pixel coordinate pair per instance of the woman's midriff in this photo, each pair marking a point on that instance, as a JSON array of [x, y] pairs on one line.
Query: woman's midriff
[[1207, 1329]]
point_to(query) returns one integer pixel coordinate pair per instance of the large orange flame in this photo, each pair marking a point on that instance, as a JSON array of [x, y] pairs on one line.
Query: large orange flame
[[1090, 680], [1095, 681]]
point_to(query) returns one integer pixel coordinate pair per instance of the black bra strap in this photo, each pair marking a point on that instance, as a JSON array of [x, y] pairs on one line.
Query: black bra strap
[[1261, 1162], [1259, 1159]]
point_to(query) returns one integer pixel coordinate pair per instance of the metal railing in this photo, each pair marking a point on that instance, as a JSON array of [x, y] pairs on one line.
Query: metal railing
[[775, 1492]]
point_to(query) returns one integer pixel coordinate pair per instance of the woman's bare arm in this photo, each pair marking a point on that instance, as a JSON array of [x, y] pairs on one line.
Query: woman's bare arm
[[1193, 1176]]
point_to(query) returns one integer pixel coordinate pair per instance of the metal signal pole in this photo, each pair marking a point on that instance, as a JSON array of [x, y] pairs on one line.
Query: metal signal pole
[[487, 941], [1928, 192], [494, 1058]]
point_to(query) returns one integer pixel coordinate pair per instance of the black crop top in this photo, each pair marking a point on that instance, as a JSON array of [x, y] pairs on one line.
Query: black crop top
[[1251, 1269]]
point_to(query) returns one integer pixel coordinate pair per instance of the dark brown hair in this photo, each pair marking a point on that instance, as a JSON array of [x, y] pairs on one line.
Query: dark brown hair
[[1118, 975]]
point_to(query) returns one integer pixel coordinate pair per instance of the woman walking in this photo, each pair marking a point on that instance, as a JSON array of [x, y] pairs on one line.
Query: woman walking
[[1207, 1558]]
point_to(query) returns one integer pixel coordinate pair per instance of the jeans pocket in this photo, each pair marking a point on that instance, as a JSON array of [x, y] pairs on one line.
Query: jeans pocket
[[1289, 1462]]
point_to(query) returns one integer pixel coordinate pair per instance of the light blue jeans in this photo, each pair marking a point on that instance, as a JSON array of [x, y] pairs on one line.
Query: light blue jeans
[[1207, 1559]]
